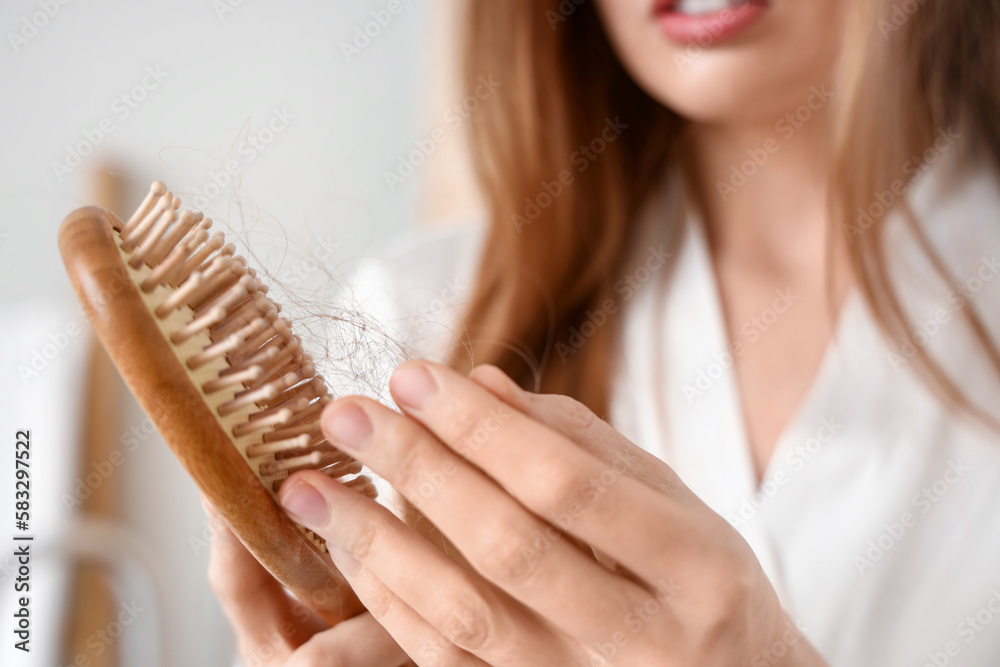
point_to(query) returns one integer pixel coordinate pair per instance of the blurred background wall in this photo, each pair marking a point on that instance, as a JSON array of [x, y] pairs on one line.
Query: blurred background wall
[[282, 118]]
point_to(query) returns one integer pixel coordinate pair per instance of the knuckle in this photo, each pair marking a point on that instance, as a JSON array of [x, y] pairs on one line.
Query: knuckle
[[562, 495], [491, 375], [381, 603], [364, 540], [508, 560], [469, 625], [420, 465], [735, 589], [577, 415], [476, 427], [410, 454], [219, 579], [439, 651], [501, 385], [272, 647], [729, 587]]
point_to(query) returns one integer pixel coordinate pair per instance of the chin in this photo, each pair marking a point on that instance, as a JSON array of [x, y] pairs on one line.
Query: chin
[[751, 74]]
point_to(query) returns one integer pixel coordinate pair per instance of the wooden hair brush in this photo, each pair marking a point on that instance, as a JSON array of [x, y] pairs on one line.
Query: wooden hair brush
[[217, 368]]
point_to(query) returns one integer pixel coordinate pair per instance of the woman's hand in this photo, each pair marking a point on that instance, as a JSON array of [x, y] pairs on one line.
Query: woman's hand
[[275, 630], [507, 477]]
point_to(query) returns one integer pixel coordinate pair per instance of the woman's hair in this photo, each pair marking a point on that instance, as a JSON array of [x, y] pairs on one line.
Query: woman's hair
[[561, 223]]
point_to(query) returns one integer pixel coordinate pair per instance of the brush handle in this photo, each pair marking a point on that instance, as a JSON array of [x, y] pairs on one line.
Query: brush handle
[[161, 384]]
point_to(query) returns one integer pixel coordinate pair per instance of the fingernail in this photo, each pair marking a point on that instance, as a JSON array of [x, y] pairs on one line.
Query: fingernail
[[344, 561], [305, 504], [412, 385], [347, 425]]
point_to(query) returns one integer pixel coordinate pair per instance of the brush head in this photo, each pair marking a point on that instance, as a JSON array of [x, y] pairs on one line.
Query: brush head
[[220, 373]]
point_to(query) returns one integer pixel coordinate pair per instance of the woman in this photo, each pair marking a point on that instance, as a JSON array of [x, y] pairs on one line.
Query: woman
[[760, 239]]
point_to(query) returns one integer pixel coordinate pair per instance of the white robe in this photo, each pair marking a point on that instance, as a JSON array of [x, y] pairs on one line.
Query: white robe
[[878, 517]]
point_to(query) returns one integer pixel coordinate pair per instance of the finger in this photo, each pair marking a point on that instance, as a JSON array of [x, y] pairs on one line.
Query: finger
[[359, 642], [380, 556], [265, 619], [418, 639], [578, 423], [645, 530], [575, 425], [523, 555]]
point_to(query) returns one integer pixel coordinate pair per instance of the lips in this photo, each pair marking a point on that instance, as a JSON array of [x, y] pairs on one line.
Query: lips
[[705, 22]]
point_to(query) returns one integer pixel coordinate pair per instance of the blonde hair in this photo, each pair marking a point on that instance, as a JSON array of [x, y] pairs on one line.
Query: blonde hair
[[551, 259]]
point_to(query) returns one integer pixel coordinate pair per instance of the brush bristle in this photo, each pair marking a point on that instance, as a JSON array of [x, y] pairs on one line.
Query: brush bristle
[[237, 348]]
